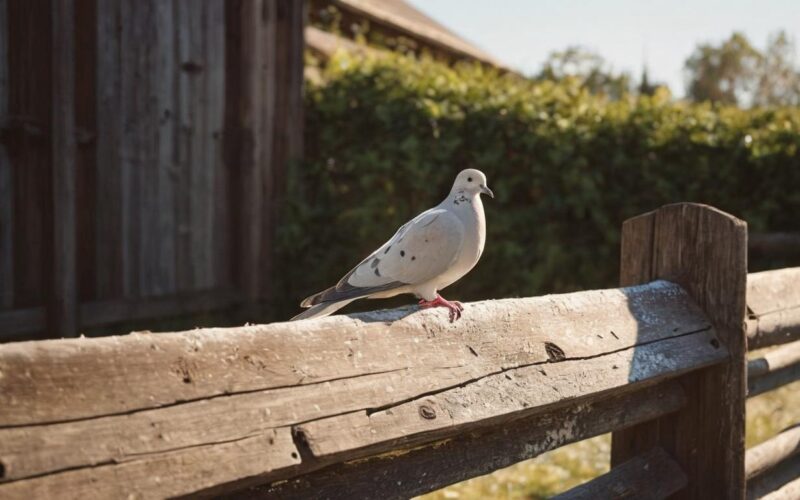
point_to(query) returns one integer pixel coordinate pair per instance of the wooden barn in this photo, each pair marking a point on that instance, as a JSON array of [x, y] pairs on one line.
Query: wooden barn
[[144, 147], [387, 24]]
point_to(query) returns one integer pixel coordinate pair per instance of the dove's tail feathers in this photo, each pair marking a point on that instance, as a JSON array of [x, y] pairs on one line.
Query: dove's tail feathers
[[336, 297], [346, 291], [322, 309]]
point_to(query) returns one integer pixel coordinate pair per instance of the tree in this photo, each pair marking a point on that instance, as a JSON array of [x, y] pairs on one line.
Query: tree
[[646, 87], [779, 79], [735, 72], [724, 73], [589, 68]]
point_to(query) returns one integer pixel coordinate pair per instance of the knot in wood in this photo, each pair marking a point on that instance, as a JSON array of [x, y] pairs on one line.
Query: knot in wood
[[554, 353], [427, 412]]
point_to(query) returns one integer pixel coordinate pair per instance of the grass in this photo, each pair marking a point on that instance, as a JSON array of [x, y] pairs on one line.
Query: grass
[[566, 467]]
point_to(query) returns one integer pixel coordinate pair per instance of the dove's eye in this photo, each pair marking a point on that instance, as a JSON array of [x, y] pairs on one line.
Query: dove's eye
[[469, 179]]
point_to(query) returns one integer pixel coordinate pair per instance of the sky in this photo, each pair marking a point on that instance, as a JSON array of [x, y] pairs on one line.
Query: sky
[[627, 33]]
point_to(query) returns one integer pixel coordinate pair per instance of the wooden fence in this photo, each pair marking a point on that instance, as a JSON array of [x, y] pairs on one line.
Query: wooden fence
[[396, 403], [142, 157]]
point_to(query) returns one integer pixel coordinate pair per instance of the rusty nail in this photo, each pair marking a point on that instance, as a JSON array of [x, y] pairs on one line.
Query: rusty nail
[[427, 412]]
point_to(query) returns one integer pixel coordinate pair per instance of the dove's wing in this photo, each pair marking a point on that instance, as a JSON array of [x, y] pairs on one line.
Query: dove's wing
[[427, 249], [420, 250]]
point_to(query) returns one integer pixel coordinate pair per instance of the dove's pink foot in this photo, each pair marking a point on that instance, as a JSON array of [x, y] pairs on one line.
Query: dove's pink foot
[[454, 306]]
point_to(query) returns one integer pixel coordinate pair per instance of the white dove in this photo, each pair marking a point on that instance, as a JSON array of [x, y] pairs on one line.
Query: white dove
[[432, 251]]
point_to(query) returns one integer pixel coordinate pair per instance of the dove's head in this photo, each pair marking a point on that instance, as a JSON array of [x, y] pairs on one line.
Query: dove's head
[[473, 182]]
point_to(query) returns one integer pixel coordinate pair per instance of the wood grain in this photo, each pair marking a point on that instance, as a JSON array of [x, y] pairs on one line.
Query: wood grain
[[773, 380], [86, 377], [652, 475], [229, 418], [502, 374], [30, 149], [773, 451], [410, 472], [63, 310], [158, 210], [773, 303], [166, 109], [246, 149], [507, 395], [704, 250], [6, 181], [779, 483], [161, 475], [774, 360], [771, 291], [108, 217], [787, 491]]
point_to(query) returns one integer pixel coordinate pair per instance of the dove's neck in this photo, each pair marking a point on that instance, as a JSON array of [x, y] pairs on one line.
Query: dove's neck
[[469, 208]]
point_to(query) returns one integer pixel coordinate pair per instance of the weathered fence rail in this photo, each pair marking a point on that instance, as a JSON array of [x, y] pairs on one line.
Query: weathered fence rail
[[396, 403], [773, 307]]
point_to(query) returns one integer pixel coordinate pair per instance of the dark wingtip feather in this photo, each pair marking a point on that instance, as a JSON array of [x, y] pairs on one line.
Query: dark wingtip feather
[[345, 292]]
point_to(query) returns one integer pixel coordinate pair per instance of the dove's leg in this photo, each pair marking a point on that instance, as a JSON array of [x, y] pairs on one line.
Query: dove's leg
[[454, 307]]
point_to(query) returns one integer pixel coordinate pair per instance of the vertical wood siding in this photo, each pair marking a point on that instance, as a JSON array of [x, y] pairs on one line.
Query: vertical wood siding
[[160, 217], [6, 192]]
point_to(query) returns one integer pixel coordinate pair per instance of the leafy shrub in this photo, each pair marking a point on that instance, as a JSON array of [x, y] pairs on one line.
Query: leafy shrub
[[387, 135]]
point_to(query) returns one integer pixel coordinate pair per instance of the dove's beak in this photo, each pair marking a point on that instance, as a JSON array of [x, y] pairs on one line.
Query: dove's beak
[[486, 190]]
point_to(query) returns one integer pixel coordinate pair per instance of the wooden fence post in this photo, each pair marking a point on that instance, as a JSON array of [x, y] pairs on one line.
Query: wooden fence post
[[705, 251]]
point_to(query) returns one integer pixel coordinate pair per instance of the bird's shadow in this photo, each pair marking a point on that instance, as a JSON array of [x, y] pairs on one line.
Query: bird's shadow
[[385, 315]]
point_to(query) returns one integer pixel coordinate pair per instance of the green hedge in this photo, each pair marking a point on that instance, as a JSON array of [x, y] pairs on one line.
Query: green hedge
[[386, 136]]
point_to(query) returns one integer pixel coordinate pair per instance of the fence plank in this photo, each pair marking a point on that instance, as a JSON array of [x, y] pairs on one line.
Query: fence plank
[[226, 361], [773, 380], [780, 483], [770, 453], [144, 187], [163, 475], [200, 177], [286, 23], [108, 227], [132, 98], [484, 404], [63, 316], [653, 475], [245, 27], [86, 155], [6, 181], [219, 234], [187, 123], [234, 417], [773, 369], [29, 146], [705, 251], [402, 475], [166, 172], [773, 303], [771, 291], [494, 399], [788, 491]]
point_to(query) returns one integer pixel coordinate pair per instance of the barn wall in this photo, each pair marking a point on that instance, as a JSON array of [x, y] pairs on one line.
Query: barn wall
[[166, 180]]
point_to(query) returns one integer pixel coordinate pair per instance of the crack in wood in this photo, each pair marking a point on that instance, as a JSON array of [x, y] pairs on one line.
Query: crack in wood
[[371, 411], [206, 398], [134, 457]]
